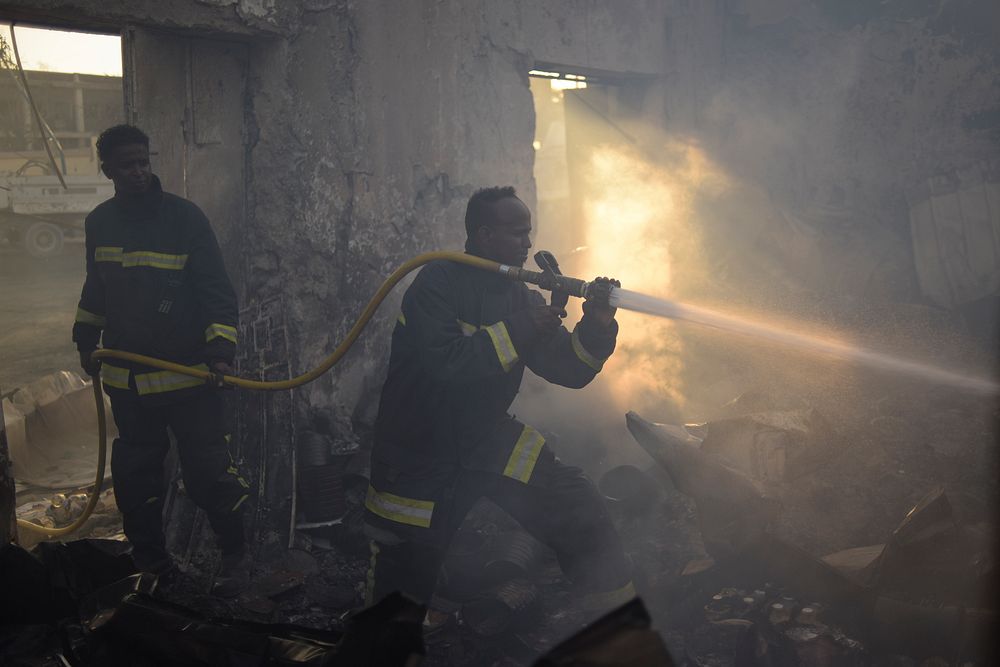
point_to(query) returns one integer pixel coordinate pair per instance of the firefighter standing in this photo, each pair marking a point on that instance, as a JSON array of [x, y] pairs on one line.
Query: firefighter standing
[[156, 285], [443, 438]]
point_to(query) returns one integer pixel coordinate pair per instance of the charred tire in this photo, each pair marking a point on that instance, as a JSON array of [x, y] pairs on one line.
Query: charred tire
[[43, 239]]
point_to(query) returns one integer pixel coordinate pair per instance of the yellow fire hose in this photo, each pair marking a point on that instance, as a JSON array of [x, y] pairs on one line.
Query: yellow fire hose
[[546, 280]]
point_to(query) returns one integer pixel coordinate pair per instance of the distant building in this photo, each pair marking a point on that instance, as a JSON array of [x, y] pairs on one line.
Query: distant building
[[76, 106]]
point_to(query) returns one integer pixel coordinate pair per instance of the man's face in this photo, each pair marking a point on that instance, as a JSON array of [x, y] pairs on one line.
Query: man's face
[[506, 239], [129, 168]]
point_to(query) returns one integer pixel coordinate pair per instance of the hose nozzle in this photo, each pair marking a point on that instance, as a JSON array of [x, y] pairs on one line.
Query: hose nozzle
[[554, 282]]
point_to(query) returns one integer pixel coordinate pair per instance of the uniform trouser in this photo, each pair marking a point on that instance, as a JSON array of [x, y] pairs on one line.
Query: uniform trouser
[[560, 508], [210, 476]]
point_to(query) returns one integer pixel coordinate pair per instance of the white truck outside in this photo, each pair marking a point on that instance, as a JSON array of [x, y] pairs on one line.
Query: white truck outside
[[38, 213]]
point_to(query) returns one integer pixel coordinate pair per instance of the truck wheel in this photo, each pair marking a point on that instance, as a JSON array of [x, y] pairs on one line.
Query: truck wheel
[[43, 239]]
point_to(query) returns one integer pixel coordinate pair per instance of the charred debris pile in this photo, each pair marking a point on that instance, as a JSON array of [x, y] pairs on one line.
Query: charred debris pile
[[815, 544], [767, 537]]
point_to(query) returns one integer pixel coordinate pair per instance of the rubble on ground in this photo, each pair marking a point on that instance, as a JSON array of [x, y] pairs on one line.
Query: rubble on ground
[[755, 596], [52, 431], [745, 553], [83, 603]]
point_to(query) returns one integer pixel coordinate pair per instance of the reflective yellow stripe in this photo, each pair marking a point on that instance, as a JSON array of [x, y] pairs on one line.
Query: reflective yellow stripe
[[87, 317], [609, 599], [113, 376], [107, 254], [239, 502], [503, 345], [522, 460], [150, 501], [399, 509], [163, 381], [467, 329], [156, 260], [216, 330], [583, 355], [401, 319], [232, 470]]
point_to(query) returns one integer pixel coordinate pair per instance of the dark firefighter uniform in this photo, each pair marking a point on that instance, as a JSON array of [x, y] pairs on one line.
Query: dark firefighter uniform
[[443, 438], [156, 285]]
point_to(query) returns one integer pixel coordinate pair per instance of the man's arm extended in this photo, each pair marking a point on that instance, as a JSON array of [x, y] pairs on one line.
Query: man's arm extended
[[574, 359]]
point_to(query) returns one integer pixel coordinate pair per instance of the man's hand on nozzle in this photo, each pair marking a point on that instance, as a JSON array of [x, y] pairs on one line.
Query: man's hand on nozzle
[[90, 366], [596, 307], [220, 367]]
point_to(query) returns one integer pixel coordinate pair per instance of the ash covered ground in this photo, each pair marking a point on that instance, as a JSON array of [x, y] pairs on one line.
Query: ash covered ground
[[875, 471]]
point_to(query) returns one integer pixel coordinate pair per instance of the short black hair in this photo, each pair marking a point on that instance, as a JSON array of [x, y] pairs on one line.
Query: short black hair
[[119, 135], [478, 212]]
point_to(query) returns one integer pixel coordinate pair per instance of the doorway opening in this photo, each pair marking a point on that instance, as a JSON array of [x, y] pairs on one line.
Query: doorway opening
[[576, 113], [59, 90]]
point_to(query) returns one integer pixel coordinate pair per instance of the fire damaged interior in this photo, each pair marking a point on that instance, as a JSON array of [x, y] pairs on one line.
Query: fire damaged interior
[[456, 332]]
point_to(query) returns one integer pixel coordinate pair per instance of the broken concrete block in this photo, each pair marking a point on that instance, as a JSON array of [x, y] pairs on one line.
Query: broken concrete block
[[52, 425], [859, 563], [734, 516], [929, 554], [775, 446], [732, 510]]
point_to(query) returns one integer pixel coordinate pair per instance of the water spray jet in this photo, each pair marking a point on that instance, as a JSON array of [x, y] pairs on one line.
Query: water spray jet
[[642, 303], [675, 310]]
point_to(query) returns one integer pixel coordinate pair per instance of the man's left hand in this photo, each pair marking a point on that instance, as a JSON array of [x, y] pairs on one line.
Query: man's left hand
[[221, 368], [602, 313]]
